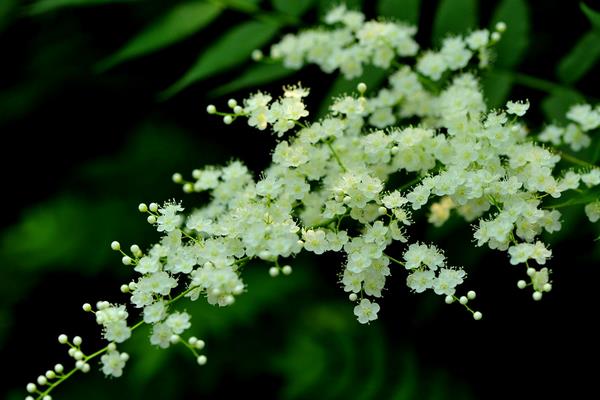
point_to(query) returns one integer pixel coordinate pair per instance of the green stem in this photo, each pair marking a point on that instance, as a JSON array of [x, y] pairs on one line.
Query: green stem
[[335, 155], [103, 350], [574, 160], [540, 84], [394, 260]]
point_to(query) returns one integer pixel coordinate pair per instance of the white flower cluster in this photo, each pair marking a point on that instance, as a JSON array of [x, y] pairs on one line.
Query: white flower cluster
[[575, 134], [349, 45], [328, 188]]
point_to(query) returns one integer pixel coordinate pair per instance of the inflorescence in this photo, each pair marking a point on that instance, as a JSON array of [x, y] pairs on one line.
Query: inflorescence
[[328, 187]]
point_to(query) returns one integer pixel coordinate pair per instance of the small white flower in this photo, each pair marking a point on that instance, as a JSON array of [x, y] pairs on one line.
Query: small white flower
[[366, 311], [113, 363], [518, 108]]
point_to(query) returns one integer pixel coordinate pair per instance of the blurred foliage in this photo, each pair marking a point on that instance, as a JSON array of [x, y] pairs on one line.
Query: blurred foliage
[[287, 338]]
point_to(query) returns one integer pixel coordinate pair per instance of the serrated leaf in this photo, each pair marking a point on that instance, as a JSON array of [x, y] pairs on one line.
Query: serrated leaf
[[177, 24], [582, 57], [592, 15], [234, 47], [43, 6], [257, 74], [514, 42], [454, 17], [558, 102], [295, 7], [403, 10], [496, 87]]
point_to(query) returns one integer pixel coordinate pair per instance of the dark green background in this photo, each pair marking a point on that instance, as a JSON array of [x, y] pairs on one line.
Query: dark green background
[[82, 146]]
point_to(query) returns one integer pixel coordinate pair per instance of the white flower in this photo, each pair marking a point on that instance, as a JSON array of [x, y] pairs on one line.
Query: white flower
[[113, 363], [419, 281], [161, 335], [178, 322], [155, 312], [447, 280], [432, 65], [169, 218], [518, 108], [585, 116], [366, 311], [592, 210], [539, 279]]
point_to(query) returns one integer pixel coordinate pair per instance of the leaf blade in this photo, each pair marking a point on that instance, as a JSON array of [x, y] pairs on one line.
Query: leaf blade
[[44, 6], [403, 10], [255, 75], [230, 50], [180, 22], [454, 16], [582, 57], [295, 8], [592, 15], [514, 42]]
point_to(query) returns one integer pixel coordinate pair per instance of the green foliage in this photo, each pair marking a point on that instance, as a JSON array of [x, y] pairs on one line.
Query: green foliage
[[325, 5], [454, 16], [556, 105], [592, 15], [295, 8], [499, 80], [44, 6], [515, 41], [253, 76], [403, 10], [178, 23], [497, 85], [581, 59], [321, 360], [230, 50]]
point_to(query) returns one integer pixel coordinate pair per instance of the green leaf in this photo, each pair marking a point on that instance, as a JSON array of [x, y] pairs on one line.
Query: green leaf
[[497, 86], [556, 105], [180, 22], [592, 15], [43, 6], [295, 7], [582, 57], [403, 10], [257, 74], [233, 48], [514, 42], [454, 16], [326, 5]]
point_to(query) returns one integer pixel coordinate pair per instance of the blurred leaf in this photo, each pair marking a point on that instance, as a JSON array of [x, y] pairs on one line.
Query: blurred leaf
[[514, 42], [403, 10], [496, 87], [582, 57], [7, 11], [257, 74], [454, 17], [58, 232], [326, 5], [372, 76], [231, 49], [592, 15], [43, 6], [247, 6], [295, 7], [180, 22], [556, 105], [407, 386]]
